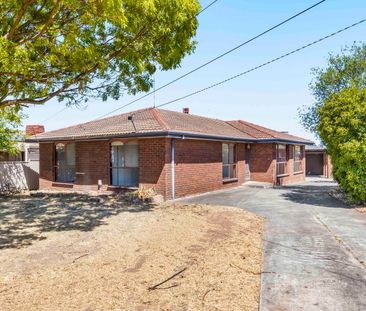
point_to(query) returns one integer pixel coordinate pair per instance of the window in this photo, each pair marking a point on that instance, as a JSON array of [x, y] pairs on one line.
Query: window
[[125, 164], [33, 154], [297, 159], [228, 161], [282, 157], [65, 162]]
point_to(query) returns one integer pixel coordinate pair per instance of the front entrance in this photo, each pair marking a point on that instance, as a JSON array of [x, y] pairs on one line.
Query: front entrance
[[125, 164], [315, 164]]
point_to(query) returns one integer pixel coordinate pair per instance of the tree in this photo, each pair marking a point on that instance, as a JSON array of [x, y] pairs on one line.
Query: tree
[[342, 127], [344, 70], [339, 116], [74, 50], [10, 119]]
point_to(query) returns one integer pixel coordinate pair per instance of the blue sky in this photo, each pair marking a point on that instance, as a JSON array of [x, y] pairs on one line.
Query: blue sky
[[269, 96]]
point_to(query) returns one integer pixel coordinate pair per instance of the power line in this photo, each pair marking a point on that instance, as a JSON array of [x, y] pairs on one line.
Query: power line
[[54, 115], [200, 12], [216, 58], [206, 7], [263, 65]]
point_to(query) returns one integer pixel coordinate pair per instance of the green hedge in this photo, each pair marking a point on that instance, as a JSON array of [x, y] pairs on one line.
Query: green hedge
[[342, 127]]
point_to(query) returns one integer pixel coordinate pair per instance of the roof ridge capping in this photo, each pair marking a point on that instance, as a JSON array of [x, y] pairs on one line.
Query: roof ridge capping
[[156, 115], [191, 115], [281, 136], [232, 125], [257, 127], [167, 116]]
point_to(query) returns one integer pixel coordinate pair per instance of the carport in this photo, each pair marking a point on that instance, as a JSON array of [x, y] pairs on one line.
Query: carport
[[317, 161]]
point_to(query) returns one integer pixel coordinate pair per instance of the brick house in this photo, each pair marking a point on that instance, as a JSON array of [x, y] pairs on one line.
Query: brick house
[[175, 153]]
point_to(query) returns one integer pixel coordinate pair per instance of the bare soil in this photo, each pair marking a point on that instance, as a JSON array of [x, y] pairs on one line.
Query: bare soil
[[76, 252]]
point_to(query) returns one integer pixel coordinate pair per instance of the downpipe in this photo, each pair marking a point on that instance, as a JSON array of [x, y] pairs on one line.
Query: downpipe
[[172, 170]]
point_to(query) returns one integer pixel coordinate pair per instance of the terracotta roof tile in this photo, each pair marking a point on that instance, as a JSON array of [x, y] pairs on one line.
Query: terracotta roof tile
[[116, 125], [183, 122], [262, 133], [152, 120]]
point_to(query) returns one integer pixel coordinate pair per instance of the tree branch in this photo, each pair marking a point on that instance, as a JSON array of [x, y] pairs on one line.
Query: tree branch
[[51, 18], [73, 81], [18, 18]]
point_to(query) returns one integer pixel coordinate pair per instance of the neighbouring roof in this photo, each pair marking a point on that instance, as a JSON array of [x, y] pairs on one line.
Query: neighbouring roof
[[315, 148], [160, 122], [34, 129]]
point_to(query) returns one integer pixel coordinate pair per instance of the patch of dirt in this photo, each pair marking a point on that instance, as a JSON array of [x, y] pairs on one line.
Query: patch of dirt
[[203, 257], [361, 209]]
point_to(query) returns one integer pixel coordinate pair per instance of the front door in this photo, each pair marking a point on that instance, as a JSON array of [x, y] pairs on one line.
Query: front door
[[125, 164], [247, 163]]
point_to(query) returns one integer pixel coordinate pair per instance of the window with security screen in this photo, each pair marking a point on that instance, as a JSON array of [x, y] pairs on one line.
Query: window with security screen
[[297, 159], [65, 162], [228, 161], [282, 157], [125, 164]]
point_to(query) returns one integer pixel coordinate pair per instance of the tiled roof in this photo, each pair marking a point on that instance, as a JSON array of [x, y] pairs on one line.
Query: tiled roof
[[263, 133], [183, 122], [160, 122], [143, 122]]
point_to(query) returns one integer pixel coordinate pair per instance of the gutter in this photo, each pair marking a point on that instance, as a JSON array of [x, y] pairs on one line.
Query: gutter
[[169, 134], [157, 134], [274, 140]]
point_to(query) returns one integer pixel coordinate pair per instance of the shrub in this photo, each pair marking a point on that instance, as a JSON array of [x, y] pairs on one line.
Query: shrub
[[342, 128]]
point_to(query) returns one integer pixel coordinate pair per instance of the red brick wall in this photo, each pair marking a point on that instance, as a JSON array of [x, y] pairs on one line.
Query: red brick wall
[[154, 164], [198, 167], [329, 167], [263, 165], [92, 164], [263, 162], [293, 177]]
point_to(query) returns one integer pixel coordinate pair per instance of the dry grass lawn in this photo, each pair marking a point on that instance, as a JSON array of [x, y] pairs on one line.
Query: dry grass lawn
[[74, 252]]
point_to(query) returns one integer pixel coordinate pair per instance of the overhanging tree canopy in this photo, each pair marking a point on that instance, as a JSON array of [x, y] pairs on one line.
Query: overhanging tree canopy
[[77, 49]]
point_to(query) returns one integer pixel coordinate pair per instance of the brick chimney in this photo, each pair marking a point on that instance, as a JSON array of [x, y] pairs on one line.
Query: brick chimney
[[33, 129], [186, 110]]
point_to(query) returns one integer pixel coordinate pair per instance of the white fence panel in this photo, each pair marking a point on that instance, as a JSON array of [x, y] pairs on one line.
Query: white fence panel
[[18, 176]]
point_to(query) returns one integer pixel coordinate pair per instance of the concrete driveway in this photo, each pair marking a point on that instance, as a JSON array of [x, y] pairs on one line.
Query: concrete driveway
[[314, 246]]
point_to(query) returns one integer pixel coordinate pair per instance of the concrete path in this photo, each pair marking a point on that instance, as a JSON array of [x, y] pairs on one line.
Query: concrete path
[[314, 246]]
